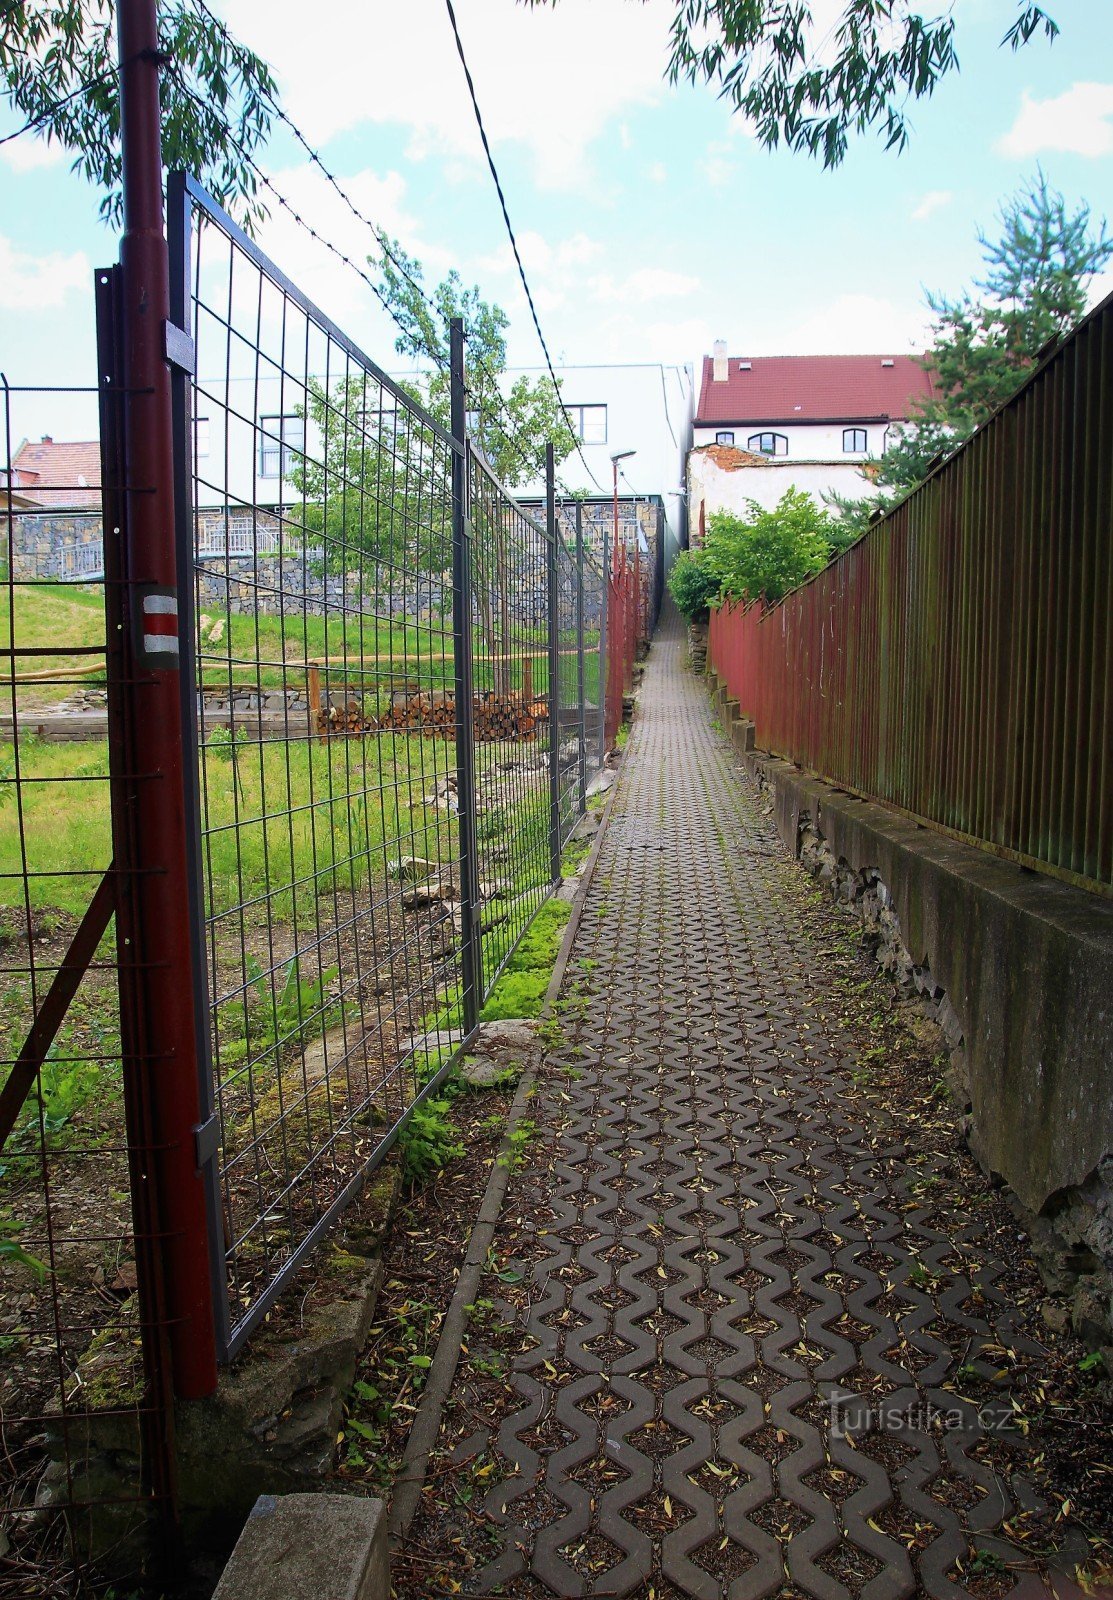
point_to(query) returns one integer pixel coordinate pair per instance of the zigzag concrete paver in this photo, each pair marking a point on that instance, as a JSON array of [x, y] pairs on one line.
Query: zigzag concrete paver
[[726, 1249]]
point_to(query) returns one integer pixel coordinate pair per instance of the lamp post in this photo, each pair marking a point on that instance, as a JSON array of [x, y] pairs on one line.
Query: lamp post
[[621, 455]]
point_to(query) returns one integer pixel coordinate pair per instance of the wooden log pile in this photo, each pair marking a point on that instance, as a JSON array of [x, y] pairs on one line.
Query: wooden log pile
[[498, 716]]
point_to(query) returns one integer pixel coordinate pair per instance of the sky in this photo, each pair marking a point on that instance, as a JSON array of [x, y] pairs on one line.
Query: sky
[[651, 221]]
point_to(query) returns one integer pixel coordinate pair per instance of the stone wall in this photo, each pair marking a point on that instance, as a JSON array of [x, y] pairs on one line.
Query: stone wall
[[1017, 969], [64, 545], [238, 568]]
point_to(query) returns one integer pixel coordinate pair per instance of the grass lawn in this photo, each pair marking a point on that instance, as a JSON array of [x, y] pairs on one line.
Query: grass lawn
[[58, 616], [276, 814], [364, 654]]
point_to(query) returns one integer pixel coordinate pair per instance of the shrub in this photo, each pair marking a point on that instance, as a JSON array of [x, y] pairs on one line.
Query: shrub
[[766, 553], [693, 585]]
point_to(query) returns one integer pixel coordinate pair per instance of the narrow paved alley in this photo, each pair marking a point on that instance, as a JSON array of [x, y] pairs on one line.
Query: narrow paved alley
[[714, 1252]]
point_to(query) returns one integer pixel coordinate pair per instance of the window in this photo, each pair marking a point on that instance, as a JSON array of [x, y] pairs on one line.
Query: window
[[272, 457], [768, 444], [589, 423], [201, 435], [726, 437], [855, 441]]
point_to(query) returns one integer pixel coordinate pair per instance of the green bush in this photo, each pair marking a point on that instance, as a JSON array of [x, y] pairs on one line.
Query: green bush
[[761, 555], [766, 553], [693, 585]]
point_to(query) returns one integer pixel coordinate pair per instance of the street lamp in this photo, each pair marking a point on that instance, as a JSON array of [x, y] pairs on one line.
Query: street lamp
[[621, 455], [624, 455]]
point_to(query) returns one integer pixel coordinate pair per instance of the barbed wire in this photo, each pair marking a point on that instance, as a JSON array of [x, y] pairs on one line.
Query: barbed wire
[[402, 267], [514, 240], [421, 347]]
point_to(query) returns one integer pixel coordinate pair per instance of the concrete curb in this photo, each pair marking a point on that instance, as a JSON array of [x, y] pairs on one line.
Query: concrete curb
[[423, 1435], [297, 1546]]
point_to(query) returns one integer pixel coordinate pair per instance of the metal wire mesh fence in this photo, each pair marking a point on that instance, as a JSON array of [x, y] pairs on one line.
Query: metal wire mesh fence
[[391, 744], [623, 586], [79, 1312], [513, 725], [327, 784], [394, 696]]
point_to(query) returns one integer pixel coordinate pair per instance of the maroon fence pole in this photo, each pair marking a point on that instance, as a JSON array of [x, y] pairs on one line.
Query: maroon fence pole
[[154, 803]]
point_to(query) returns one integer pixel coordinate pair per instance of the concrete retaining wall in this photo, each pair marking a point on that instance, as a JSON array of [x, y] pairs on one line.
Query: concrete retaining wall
[[1026, 964]]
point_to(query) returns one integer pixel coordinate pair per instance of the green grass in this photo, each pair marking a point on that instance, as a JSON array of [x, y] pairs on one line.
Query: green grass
[[368, 653], [291, 820], [61, 617], [520, 989]]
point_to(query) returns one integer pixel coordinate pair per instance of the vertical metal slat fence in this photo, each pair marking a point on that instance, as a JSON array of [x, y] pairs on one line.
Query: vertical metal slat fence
[[955, 662]]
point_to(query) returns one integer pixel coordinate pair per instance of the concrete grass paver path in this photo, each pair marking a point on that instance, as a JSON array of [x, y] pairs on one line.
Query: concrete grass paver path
[[726, 1249]]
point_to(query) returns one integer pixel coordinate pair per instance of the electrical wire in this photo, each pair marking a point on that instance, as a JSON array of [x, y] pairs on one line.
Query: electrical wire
[[513, 238], [500, 409]]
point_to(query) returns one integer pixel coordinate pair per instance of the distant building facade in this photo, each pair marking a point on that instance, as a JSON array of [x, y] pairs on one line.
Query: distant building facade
[[645, 407], [765, 424]]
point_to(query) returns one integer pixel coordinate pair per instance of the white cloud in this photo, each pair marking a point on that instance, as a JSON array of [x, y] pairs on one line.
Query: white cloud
[[1100, 287], [30, 154], [40, 283], [1079, 121], [847, 325], [933, 201], [548, 79], [658, 172], [717, 166], [642, 285], [554, 270]]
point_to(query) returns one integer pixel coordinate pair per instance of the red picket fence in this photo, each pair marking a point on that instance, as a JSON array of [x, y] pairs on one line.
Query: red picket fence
[[955, 662]]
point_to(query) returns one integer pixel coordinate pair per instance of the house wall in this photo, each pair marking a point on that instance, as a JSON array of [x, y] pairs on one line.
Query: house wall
[[715, 488], [821, 441], [649, 410]]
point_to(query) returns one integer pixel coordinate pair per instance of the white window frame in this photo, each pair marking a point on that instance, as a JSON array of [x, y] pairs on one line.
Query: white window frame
[[779, 446], [280, 439], [578, 415]]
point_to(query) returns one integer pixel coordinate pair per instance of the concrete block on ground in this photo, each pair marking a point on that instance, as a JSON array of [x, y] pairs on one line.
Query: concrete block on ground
[[310, 1547]]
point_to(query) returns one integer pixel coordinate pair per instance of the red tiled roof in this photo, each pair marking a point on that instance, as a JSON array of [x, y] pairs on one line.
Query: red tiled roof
[[58, 474], [811, 389]]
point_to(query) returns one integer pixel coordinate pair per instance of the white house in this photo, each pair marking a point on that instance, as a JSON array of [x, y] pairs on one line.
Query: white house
[[768, 423]]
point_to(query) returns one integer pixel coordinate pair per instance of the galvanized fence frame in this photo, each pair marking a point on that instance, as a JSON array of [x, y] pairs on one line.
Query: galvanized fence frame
[[175, 1304], [955, 662], [474, 609]]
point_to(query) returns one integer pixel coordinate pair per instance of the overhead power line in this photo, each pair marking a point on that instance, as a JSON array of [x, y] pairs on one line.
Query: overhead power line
[[382, 240], [513, 238]]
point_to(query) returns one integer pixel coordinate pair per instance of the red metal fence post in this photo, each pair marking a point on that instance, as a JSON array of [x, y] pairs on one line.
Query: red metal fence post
[[151, 815]]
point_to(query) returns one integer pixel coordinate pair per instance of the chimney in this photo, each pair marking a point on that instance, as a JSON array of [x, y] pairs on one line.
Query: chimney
[[46, 439], [719, 358]]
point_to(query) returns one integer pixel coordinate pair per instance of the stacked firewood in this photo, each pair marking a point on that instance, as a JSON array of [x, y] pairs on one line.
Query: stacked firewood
[[496, 716]]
